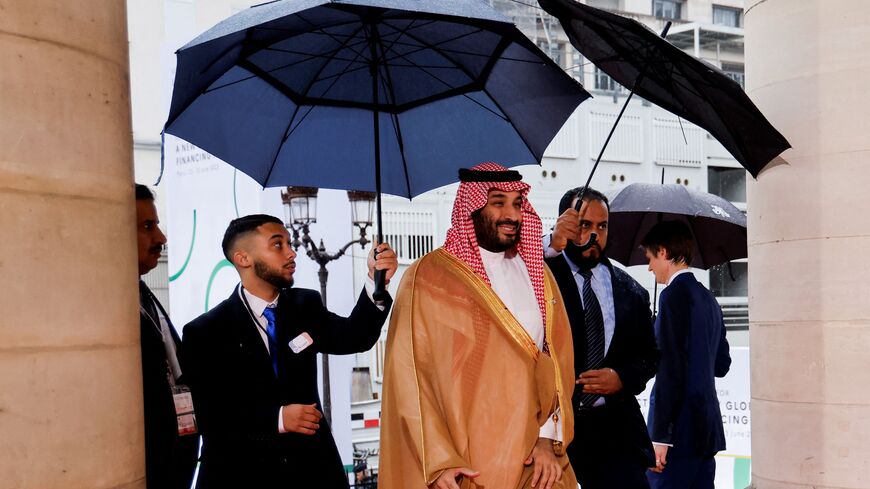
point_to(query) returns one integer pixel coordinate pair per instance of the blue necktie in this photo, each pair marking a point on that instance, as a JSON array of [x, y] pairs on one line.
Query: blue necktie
[[594, 333], [269, 314]]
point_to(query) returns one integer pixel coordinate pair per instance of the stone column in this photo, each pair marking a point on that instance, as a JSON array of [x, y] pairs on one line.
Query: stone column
[[70, 381], [808, 67]]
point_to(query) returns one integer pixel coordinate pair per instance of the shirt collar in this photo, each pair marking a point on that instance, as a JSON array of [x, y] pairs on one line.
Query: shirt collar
[[494, 258], [685, 270], [597, 270], [257, 304]]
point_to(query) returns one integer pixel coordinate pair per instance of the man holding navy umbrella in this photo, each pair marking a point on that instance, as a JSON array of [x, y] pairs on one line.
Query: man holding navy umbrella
[[252, 365]]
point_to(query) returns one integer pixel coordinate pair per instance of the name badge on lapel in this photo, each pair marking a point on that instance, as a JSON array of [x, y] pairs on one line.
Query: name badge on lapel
[[300, 342]]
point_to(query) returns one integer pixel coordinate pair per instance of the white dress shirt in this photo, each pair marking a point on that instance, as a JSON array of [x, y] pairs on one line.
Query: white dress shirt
[[678, 272], [602, 285], [511, 282]]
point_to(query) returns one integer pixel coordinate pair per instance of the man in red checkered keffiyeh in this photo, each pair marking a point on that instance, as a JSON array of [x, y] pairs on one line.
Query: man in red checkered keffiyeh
[[479, 353], [471, 198]]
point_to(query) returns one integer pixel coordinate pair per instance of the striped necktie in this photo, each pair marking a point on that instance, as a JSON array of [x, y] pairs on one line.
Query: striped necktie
[[594, 333], [269, 314]]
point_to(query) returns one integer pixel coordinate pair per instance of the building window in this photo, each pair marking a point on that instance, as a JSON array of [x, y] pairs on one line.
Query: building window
[[667, 9], [727, 16], [735, 72], [604, 82], [555, 50], [728, 183], [730, 283]]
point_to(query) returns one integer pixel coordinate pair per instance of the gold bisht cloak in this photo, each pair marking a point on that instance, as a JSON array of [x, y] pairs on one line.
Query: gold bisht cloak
[[465, 385]]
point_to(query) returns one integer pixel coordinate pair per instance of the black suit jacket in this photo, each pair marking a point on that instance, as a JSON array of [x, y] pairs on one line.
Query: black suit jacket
[[684, 409], [169, 459], [632, 353], [237, 395]]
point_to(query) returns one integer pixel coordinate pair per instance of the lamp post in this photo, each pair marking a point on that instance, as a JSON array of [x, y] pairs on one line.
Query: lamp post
[[300, 211]]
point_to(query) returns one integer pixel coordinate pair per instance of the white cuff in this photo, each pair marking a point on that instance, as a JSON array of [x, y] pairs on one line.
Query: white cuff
[[281, 420], [370, 289], [549, 252], [552, 429], [663, 444]]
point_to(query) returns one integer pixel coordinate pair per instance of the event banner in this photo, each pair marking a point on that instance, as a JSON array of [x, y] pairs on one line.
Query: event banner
[[733, 465], [204, 195]]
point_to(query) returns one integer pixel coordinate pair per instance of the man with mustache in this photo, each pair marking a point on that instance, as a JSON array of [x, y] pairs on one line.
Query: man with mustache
[[252, 365], [170, 450], [479, 365], [614, 345]]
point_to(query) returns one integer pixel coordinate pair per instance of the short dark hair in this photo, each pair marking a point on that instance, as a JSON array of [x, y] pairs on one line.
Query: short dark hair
[[143, 192], [242, 226], [674, 237], [589, 195]]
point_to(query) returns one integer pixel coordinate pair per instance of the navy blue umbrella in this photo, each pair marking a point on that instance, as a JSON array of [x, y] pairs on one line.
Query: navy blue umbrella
[[377, 95]]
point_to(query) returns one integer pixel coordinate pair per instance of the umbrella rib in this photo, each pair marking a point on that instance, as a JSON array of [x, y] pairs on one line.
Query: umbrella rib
[[423, 67], [333, 36], [283, 67], [502, 46], [281, 146], [452, 88], [314, 79], [434, 48], [288, 132], [387, 81]]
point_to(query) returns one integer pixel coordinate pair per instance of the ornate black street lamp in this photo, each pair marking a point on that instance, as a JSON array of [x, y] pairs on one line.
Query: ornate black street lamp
[[300, 211]]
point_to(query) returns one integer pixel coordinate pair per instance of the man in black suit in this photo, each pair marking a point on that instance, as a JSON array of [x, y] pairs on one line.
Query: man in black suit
[[614, 348], [252, 365], [685, 423], [170, 459]]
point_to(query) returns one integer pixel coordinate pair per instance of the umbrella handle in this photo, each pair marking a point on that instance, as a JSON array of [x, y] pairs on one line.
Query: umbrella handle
[[380, 293], [593, 239]]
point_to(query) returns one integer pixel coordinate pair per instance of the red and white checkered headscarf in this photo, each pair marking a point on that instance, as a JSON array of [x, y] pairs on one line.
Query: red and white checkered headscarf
[[462, 242]]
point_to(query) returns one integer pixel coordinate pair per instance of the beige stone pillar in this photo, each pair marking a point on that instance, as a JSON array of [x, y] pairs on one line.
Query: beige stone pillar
[[808, 69], [70, 381]]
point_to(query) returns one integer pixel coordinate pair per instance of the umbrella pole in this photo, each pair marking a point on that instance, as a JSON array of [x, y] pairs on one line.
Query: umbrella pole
[[656, 282], [380, 292], [616, 123], [579, 203]]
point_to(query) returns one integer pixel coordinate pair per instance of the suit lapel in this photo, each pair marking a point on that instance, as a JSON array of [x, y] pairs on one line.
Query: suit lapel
[[620, 312], [250, 340], [573, 306]]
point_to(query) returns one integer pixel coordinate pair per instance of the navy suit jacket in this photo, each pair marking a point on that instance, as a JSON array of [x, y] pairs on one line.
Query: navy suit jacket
[[684, 408], [632, 353], [237, 396]]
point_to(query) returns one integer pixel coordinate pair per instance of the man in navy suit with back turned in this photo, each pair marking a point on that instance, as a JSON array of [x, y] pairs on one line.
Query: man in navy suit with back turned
[[251, 363], [685, 423]]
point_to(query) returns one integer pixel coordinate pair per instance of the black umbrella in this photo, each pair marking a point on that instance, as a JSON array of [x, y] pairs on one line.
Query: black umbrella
[[718, 227], [656, 70], [381, 95]]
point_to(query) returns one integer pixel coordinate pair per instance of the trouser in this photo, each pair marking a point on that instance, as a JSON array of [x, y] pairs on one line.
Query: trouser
[[685, 472], [604, 453]]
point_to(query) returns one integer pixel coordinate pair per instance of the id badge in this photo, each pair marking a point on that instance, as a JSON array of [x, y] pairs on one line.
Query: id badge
[[184, 415], [300, 342]]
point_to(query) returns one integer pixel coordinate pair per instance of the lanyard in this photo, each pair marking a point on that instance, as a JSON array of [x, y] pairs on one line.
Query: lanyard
[[251, 311], [172, 367]]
